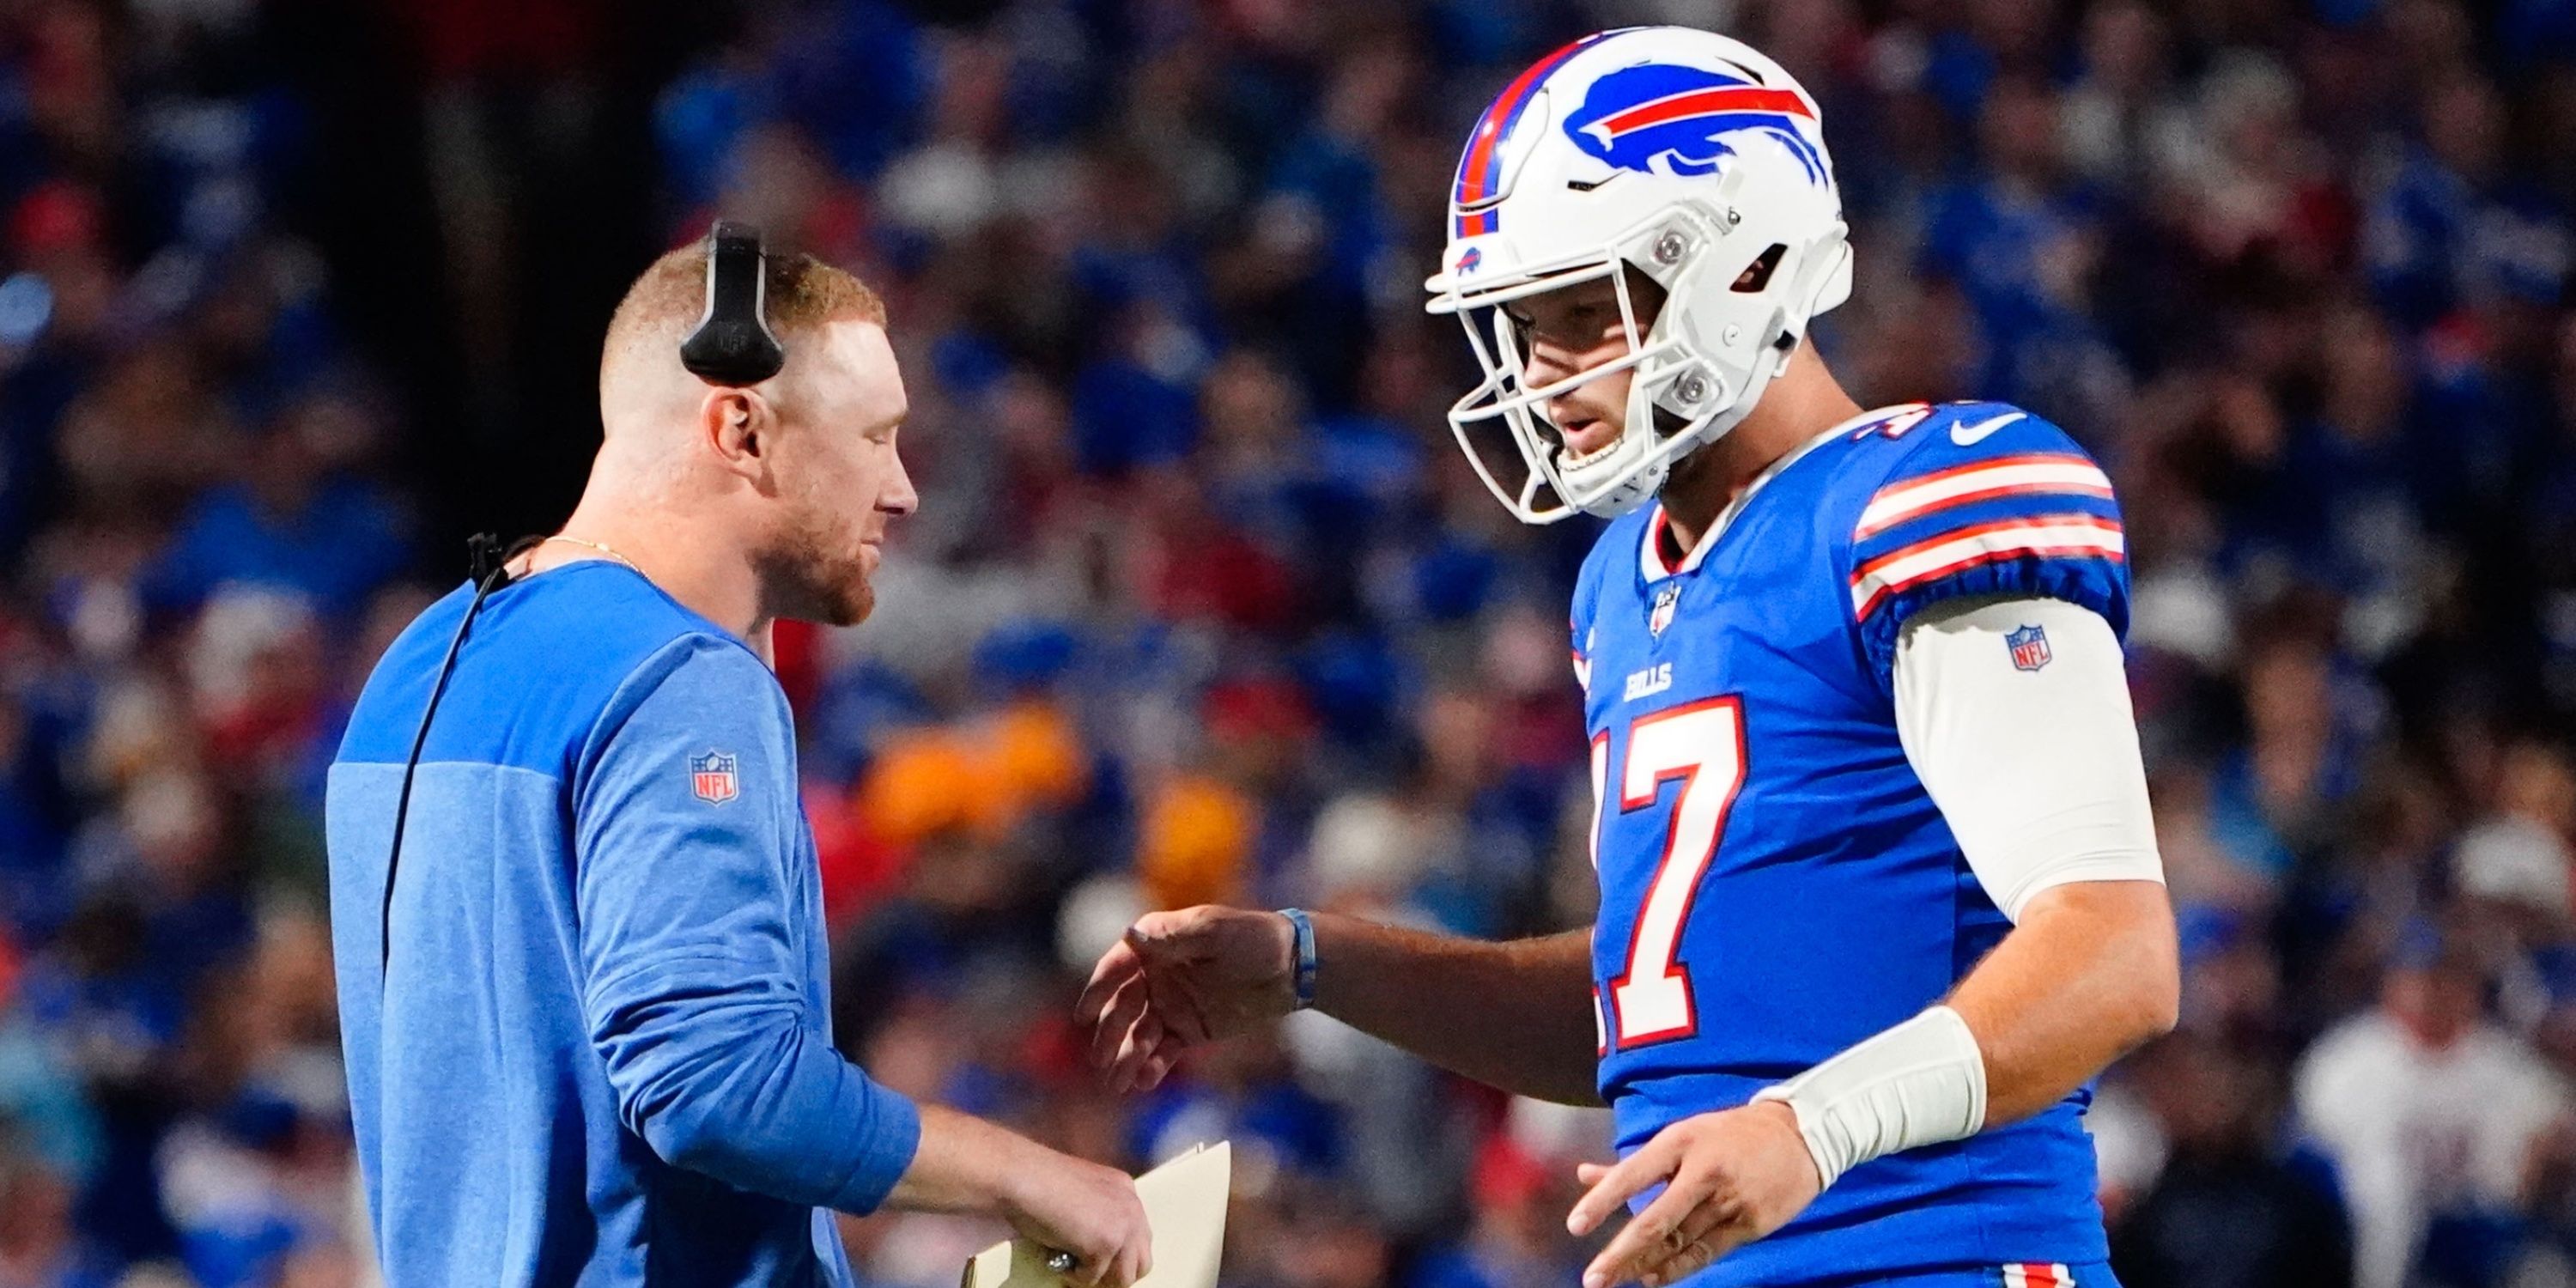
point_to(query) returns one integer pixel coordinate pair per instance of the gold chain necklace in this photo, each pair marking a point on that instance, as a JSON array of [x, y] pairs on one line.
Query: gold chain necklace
[[602, 548]]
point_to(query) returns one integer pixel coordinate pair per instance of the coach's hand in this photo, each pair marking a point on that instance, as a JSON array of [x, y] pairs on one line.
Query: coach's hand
[[1069, 1205], [1178, 979], [1730, 1177]]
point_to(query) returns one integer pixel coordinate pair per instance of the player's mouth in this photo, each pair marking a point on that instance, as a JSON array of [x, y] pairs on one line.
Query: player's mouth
[[1587, 439]]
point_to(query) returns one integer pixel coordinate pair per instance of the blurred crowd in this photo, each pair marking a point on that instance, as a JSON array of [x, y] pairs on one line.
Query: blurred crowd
[[1201, 604]]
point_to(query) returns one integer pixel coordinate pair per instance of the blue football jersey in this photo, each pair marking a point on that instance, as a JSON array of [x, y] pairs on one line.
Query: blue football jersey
[[1776, 884]]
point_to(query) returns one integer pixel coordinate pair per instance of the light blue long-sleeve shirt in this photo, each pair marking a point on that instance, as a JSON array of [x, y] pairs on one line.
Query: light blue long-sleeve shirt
[[600, 1052]]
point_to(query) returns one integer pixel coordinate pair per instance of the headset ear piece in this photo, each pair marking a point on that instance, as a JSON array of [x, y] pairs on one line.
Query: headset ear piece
[[733, 344]]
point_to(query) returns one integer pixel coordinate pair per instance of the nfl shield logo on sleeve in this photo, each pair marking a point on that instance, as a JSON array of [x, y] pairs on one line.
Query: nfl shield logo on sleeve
[[2029, 647], [712, 779]]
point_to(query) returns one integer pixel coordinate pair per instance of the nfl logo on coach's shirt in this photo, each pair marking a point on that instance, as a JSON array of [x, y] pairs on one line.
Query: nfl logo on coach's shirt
[[1661, 615], [712, 778], [2029, 647]]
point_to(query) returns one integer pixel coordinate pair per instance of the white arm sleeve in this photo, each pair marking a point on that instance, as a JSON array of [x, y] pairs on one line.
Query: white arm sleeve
[[2035, 767]]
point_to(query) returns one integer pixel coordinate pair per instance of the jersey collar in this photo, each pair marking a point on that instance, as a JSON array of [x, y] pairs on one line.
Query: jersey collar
[[1650, 555]]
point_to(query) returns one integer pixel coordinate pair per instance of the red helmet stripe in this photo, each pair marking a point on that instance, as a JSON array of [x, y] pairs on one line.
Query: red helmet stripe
[[1479, 171]]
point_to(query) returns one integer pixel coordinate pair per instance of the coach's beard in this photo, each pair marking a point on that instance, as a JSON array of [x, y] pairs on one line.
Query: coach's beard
[[812, 578]]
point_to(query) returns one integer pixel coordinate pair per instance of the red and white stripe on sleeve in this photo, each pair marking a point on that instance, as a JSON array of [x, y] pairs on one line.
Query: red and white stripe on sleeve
[[2004, 515]]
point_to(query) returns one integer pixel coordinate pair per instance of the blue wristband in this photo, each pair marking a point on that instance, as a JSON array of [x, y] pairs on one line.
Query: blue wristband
[[1302, 951]]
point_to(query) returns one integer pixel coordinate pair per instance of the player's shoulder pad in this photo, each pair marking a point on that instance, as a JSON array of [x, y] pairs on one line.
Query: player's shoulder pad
[[1975, 498]]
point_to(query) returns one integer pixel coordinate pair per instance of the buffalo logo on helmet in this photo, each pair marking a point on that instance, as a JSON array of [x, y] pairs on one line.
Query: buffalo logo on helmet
[[1468, 261], [1638, 117], [712, 778]]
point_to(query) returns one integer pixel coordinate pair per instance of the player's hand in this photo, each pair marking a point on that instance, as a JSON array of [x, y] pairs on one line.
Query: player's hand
[[1730, 1177], [1069, 1205], [1179, 979]]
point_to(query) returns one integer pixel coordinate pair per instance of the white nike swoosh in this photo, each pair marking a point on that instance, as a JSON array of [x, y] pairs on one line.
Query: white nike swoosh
[[1971, 435]]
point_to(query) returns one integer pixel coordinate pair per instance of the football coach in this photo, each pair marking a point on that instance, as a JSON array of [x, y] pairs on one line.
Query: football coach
[[575, 910]]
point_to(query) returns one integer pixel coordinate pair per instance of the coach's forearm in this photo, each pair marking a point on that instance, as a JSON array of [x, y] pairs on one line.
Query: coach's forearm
[[2089, 974], [1515, 1015], [965, 1164]]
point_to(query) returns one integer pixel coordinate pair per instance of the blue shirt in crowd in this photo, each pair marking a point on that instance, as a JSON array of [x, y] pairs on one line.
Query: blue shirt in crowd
[[600, 1050]]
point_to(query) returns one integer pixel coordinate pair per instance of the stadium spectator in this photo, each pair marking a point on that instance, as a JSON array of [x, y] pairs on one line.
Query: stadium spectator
[[2429, 1113]]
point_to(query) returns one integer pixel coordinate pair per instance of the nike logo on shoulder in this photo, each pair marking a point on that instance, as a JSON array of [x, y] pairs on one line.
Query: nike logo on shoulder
[[1971, 435]]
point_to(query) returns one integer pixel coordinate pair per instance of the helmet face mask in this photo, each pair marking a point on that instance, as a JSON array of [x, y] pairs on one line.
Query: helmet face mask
[[1745, 246], [1665, 376]]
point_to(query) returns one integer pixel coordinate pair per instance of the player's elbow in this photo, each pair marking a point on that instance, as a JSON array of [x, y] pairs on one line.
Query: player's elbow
[[2158, 1005], [2117, 945], [2152, 976]]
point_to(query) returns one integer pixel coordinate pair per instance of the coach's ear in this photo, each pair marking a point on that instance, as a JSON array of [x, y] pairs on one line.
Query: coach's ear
[[741, 426]]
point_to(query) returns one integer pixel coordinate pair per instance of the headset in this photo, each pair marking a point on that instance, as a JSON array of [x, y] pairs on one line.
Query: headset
[[733, 347]]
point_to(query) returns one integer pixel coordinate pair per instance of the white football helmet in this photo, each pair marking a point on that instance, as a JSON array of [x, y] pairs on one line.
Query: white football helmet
[[1685, 156]]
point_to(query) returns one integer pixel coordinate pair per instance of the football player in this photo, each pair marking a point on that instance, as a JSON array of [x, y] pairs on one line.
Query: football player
[[1879, 891]]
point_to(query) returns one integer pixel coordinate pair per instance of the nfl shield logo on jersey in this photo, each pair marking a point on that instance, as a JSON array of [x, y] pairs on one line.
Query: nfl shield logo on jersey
[[712, 779], [2029, 647], [1661, 614]]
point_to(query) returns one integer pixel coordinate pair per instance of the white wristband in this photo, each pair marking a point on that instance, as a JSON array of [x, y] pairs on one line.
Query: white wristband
[[1920, 1083]]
